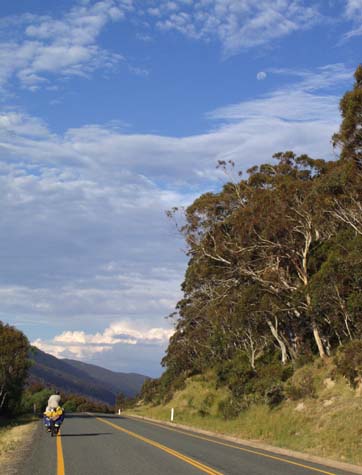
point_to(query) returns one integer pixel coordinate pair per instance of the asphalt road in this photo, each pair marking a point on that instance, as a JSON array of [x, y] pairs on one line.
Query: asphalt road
[[107, 444]]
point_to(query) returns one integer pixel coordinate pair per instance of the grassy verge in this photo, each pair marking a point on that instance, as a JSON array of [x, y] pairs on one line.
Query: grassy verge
[[328, 424], [12, 434]]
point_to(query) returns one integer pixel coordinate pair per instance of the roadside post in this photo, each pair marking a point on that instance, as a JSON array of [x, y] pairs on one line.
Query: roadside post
[[172, 414]]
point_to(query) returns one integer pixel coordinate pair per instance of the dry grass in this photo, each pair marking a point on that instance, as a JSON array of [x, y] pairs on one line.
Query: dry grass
[[12, 436], [329, 424]]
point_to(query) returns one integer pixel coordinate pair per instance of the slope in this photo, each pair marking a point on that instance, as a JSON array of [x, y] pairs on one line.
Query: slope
[[127, 383], [95, 382]]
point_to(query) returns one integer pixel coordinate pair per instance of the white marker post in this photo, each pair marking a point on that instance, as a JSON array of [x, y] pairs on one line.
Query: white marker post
[[172, 413], [119, 412]]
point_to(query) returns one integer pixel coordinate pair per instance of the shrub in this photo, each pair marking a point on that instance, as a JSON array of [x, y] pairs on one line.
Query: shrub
[[274, 396], [237, 375], [264, 384], [206, 404], [190, 402], [150, 391], [39, 398], [349, 362], [301, 385], [270, 376], [230, 408], [70, 406]]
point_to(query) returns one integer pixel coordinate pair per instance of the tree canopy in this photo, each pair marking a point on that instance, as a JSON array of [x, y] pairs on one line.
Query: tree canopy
[[14, 363], [274, 270]]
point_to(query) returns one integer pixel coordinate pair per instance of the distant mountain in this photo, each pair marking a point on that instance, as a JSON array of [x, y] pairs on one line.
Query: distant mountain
[[89, 380], [127, 383]]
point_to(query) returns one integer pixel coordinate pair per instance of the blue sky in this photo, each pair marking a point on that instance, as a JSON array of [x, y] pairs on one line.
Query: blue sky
[[112, 112]]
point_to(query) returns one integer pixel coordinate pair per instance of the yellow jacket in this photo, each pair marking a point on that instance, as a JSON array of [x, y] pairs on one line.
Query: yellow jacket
[[54, 413]]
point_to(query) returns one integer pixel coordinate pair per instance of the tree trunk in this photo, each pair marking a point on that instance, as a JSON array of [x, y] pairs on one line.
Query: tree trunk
[[315, 329], [318, 340], [3, 395], [281, 343]]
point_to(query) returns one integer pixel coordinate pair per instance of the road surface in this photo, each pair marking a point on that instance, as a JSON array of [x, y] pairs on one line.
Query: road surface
[[111, 444]]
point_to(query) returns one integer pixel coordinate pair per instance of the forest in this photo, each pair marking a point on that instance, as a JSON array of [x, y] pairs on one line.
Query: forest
[[274, 275]]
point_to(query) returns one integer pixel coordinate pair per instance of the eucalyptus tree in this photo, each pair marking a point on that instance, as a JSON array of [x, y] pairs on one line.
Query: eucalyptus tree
[[268, 265]]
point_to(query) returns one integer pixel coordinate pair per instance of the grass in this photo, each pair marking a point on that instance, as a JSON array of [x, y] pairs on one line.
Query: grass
[[329, 424]]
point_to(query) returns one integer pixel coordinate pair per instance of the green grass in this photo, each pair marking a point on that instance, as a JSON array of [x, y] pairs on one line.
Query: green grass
[[329, 425]]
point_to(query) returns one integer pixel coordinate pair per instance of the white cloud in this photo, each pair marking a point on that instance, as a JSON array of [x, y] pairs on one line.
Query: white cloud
[[72, 351], [80, 344], [323, 78], [353, 33], [353, 8], [52, 47], [353, 12], [118, 332], [17, 123], [237, 24]]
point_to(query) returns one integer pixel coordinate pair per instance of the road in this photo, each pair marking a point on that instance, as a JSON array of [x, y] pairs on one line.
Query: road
[[111, 444]]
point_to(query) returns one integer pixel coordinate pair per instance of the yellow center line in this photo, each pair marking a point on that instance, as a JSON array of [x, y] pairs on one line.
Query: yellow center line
[[225, 444], [60, 458], [195, 463]]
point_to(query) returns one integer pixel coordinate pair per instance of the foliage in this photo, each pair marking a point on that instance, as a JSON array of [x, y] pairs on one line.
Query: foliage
[[349, 362], [14, 364], [70, 406], [231, 408], [275, 396], [349, 137], [162, 389], [38, 394], [301, 386], [150, 391], [35, 397], [264, 383]]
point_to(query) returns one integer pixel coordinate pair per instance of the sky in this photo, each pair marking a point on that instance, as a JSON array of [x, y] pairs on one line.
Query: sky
[[114, 111]]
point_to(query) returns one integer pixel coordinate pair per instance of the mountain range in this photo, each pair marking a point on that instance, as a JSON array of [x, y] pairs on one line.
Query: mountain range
[[82, 378]]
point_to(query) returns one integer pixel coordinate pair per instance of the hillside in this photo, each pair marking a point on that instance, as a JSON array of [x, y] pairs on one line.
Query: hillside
[[127, 383], [89, 380], [321, 413]]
